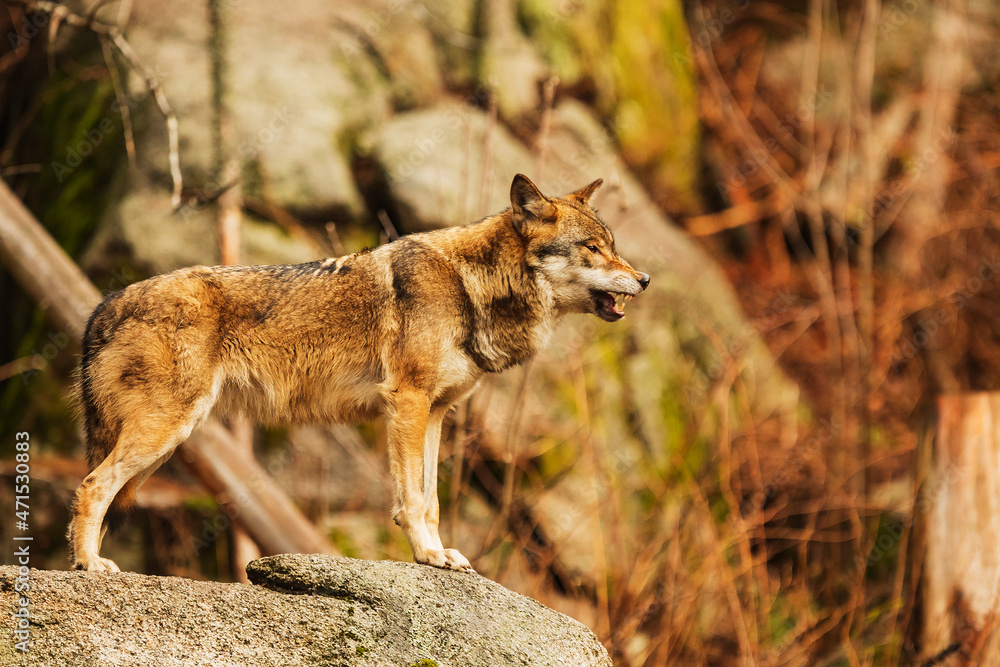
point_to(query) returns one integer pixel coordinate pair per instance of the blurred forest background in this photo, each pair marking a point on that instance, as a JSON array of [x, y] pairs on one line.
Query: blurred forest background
[[738, 473]]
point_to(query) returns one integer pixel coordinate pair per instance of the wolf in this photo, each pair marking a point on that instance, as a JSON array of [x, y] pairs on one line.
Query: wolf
[[403, 331]]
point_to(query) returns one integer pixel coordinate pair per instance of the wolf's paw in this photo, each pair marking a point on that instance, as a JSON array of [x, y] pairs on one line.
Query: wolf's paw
[[96, 564], [449, 559]]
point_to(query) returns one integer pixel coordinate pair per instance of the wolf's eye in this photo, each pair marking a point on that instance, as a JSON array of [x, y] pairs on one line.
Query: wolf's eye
[[592, 248]]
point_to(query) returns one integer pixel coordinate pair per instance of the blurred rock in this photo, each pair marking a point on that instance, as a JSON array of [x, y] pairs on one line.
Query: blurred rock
[[159, 240], [453, 25], [296, 91], [510, 66], [450, 165], [566, 514], [300, 84], [396, 34], [305, 610], [447, 165], [688, 294]]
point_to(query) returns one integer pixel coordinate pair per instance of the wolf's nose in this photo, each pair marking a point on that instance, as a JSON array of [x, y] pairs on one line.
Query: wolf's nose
[[644, 280]]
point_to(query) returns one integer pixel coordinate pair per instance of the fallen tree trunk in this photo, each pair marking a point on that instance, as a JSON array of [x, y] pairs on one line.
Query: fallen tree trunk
[[244, 490], [43, 269]]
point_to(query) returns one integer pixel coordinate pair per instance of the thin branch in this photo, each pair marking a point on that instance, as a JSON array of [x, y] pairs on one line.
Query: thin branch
[[542, 143], [57, 16], [390, 229], [14, 170], [487, 160], [161, 100], [20, 44], [116, 82], [114, 34], [18, 366], [335, 241]]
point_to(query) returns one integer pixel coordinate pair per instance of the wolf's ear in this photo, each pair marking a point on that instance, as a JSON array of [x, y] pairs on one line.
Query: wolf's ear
[[530, 206], [584, 194]]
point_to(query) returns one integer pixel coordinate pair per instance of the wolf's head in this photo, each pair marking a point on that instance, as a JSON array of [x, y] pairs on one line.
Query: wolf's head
[[574, 251]]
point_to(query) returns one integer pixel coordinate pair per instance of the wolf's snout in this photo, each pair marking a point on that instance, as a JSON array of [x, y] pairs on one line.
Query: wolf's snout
[[643, 280]]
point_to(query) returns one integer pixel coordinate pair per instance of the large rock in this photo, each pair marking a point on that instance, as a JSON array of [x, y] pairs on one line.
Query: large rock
[[689, 290], [159, 240], [448, 164], [296, 108], [510, 66], [294, 102], [306, 610]]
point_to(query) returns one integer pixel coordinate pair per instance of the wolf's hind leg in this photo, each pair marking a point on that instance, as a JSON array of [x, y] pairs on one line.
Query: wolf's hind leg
[[112, 485]]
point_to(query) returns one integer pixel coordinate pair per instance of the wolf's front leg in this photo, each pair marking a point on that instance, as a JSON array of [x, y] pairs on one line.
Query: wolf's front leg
[[432, 442], [408, 425]]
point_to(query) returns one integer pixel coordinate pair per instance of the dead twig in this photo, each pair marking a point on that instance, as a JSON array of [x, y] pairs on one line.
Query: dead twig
[[113, 33], [542, 142], [123, 106], [487, 175], [387, 226]]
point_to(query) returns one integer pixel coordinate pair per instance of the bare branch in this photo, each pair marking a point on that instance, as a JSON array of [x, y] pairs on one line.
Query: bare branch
[[116, 81], [60, 14]]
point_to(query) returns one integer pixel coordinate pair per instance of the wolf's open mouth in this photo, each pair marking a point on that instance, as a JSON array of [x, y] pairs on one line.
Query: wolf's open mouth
[[606, 304]]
